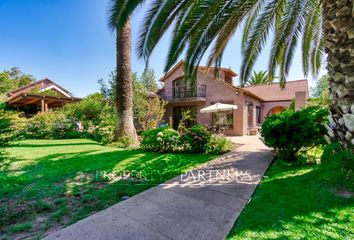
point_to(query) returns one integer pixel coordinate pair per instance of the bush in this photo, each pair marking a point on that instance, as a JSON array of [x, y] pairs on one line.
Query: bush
[[6, 131], [196, 139], [219, 144], [163, 139], [88, 111], [124, 142], [290, 131], [334, 153], [51, 125], [337, 166], [104, 132]]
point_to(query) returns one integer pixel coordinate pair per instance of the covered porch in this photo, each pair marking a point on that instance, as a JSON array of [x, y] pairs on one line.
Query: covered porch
[[34, 103]]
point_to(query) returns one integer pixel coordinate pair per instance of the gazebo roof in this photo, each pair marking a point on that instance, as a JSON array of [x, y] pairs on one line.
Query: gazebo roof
[[44, 93], [23, 99]]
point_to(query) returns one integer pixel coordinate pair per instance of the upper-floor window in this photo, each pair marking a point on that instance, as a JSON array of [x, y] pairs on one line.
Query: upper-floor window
[[181, 88], [228, 79]]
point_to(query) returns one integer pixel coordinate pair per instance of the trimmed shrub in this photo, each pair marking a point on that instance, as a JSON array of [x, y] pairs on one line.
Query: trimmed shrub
[[289, 132], [219, 144], [196, 139], [163, 139]]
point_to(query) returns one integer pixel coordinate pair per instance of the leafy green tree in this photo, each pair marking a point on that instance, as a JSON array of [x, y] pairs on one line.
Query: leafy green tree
[[87, 111], [320, 93], [6, 83], [148, 111], [20, 78], [14, 78], [148, 80], [108, 89], [259, 78], [321, 87]]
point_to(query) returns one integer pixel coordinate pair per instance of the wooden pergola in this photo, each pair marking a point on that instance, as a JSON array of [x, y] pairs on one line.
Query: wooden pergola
[[45, 102]]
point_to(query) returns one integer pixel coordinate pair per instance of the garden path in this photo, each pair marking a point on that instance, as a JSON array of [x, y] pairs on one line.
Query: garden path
[[201, 204]]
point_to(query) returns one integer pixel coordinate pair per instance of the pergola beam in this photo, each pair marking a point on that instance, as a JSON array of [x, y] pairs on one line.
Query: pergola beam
[[31, 102], [15, 100]]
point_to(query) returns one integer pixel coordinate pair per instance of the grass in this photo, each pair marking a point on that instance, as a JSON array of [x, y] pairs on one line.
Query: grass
[[299, 202], [47, 184]]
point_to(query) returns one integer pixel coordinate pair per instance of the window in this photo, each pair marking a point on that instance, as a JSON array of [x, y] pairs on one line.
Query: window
[[225, 119], [228, 79], [258, 115], [181, 88]]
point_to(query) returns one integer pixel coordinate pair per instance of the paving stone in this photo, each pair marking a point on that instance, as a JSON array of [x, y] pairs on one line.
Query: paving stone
[[192, 207], [138, 231], [220, 199], [103, 226], [69, 233]]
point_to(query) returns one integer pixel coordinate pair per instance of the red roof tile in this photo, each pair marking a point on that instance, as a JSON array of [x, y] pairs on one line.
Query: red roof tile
[[274, 92]]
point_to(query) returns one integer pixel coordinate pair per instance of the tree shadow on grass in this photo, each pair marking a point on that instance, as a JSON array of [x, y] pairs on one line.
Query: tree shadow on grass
[[26, 145], [38, 143], [63, 186], [298, 202]]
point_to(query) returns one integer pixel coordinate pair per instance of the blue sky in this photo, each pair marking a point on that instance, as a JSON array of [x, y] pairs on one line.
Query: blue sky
[[69, 42]]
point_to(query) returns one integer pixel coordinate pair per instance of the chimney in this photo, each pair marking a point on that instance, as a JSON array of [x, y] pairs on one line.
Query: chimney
[[300, 100]]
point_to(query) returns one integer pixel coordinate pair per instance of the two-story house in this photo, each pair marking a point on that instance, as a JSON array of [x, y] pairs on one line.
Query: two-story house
[[253, 103]]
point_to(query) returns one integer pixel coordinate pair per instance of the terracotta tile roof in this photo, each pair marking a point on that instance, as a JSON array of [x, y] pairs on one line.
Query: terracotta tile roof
[[274, 92], [181, 62], [227, 70]]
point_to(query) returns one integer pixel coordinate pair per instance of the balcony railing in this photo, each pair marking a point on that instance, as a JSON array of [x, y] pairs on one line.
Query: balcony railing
[[184, 91]]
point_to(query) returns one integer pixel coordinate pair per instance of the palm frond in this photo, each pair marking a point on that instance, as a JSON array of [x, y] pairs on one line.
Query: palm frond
[[199, 24], [157, 20], [228, 29], [259, 33], [119, 12]]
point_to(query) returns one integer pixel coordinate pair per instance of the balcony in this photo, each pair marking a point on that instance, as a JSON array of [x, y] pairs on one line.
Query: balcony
[[185, 93]]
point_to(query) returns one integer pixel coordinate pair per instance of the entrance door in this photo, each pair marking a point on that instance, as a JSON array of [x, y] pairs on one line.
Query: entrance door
[[177, 116]]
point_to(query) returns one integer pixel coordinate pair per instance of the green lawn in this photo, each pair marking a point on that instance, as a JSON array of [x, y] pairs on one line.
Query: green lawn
[[299, 203], [47, 184]]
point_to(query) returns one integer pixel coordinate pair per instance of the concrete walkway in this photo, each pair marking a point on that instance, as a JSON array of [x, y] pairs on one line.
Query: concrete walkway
[[201, 204]]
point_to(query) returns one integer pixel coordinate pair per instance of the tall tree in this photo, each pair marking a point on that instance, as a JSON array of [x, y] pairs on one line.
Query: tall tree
[[124, 87], [14, 78], [339, 43], [323, 26], [148, 79], [321, 87], [119, 20]]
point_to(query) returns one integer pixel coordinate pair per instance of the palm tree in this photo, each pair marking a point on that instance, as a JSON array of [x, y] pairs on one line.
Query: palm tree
[[323, 26], [119, 21], [259, 78]]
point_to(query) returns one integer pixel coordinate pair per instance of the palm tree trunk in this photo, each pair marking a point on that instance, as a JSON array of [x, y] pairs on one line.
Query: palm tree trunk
[[124, 87], [338, 20]]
